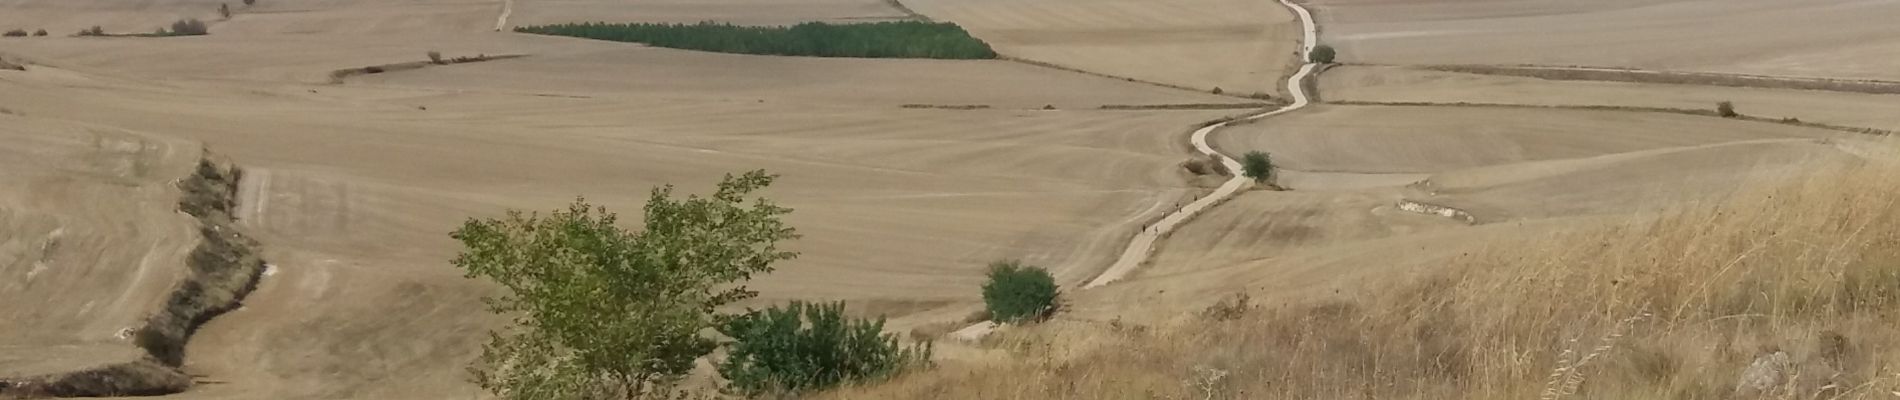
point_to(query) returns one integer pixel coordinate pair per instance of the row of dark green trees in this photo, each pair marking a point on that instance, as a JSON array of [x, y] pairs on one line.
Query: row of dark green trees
[[905, 39]]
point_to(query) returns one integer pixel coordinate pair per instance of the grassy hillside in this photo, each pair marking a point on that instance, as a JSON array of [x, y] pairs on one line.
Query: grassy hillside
[[1791, 290], [906, 39]]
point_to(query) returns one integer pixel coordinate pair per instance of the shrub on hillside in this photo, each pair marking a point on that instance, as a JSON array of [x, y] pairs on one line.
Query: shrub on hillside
[[905, 39], [603, 312], [1322, 54], [224, 9], [41, 32], [1017, 293], [188, 27], [1257, 165], [804, 347], [435, 57], [95, 30], [15, 33], [1726, 110], [250, 2]]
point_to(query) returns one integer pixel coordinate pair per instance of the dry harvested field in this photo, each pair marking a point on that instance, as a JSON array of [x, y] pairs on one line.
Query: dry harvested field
[[1400, 84], [741, 12], [1241, 47], [1854, 39], [907, 176], [355, 189], [90, 242]]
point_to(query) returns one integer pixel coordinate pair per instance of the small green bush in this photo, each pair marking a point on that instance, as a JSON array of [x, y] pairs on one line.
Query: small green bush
[[1257, 165], [41, 32], [777, 351], [904, 39], [1322, 54], [95, 30], [250, 2], [15, 33], [1017, 293], [1726, 110], [435, 57]]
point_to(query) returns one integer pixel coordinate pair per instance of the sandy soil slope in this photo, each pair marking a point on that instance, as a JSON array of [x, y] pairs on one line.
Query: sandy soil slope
[[1824, 38], [1398, 84], [1242, 47], [90, 239]]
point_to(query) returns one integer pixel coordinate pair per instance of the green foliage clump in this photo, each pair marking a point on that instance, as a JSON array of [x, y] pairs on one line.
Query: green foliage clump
[[1017, 293], [15, 33], [775, 351], [1257, 165], [41, 32], [1726, 110], [903, 39], [602, 312], [1322, 54]]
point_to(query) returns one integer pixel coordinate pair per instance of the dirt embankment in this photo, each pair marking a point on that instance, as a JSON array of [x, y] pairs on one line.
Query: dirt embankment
[[224, 267]]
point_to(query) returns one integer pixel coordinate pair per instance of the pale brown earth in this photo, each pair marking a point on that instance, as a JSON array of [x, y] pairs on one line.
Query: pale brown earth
[[1819, 38], [1407, 139], [739, 12], [90, 240], [1241, 47], [353, 187], [1400, 84]]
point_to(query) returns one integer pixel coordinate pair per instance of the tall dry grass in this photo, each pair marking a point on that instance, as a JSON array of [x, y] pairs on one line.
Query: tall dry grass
[[1800, 278]]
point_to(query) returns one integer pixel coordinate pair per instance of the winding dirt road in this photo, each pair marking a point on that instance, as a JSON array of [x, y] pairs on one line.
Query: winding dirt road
[[507, 9], [1142, 246]]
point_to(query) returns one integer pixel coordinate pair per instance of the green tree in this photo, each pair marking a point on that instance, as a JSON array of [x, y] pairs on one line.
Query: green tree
[[1257, 165], [1726, 110], [775, 351], [1017, 293], [604, 313], [1322, 54]]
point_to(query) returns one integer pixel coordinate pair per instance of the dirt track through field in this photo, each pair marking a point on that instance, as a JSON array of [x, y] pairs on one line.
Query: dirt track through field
[[507, 9], [1143, 244]]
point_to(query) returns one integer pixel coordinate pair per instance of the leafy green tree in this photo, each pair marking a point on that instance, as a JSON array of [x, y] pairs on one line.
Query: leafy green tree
[[1018, 293], [1726, 110], [1257, 165], [604, 313], [1322, 54], [775, 351]]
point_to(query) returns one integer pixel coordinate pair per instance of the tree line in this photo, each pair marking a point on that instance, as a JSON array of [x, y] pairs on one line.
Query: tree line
[[903, 39]]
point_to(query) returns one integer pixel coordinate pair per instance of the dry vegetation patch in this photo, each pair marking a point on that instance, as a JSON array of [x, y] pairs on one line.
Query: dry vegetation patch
[[1791, 291]]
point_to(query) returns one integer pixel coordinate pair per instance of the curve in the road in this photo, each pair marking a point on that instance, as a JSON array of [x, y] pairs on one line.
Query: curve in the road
[[1142, 245], [507, 9]]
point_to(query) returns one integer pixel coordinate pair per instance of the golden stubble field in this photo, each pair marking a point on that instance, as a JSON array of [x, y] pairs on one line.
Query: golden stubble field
[[352, 187]]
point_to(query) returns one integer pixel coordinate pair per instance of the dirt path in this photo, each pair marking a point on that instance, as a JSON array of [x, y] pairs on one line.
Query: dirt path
[[507, 9], [1142, 246]]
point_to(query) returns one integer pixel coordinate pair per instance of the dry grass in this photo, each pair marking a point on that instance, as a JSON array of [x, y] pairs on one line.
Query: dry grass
[[1675, 306]]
